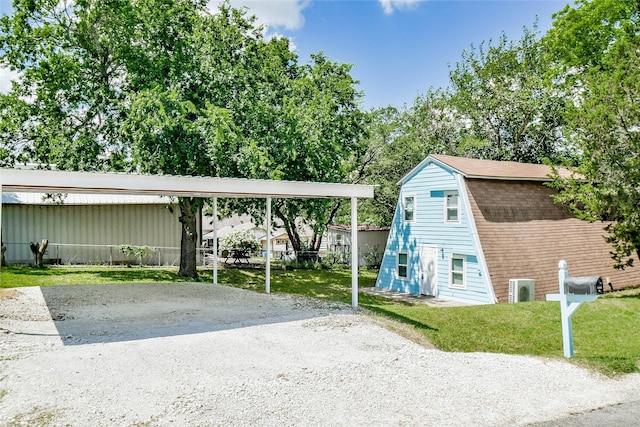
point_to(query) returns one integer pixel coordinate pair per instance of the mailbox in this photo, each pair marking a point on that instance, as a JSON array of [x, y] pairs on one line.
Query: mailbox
[[584, 285]]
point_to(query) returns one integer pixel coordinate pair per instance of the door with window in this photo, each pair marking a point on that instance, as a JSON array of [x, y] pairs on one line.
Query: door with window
[[428, 270]]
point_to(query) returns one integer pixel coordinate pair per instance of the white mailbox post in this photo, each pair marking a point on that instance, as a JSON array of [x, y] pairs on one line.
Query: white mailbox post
[[569, 303]]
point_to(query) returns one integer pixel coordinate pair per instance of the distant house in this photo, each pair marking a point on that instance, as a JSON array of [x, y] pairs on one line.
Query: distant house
[[371, 242], [227, 230], [464, 228], [83, 228], [279, 240]]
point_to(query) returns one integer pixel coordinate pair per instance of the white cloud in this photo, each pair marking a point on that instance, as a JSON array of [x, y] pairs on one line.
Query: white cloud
[[388, 6], [6, 76], [272, 13]]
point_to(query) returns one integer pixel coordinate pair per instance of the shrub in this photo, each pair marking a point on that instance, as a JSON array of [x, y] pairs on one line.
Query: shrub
[[242, 240]]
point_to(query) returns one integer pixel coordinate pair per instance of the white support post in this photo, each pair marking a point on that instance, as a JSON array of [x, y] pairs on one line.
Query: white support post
[[354, 251], [569, 303], [267, 273], [215, 240]]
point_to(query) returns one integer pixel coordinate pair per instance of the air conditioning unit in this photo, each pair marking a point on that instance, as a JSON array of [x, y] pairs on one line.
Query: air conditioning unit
[[521, 290]]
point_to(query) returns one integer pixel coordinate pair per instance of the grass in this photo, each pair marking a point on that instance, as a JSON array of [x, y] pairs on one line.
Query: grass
[[19, 276], [604, 332]]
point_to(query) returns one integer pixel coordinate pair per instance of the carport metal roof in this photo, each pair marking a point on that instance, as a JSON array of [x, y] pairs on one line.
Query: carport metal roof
[[46, 181]]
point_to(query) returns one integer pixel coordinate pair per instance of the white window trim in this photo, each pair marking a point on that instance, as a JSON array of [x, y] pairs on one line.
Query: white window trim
[[446, 208], [464, 271], [398, 266], [415, 207]]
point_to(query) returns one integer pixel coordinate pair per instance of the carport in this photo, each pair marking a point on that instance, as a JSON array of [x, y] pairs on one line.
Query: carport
[[46, 181]]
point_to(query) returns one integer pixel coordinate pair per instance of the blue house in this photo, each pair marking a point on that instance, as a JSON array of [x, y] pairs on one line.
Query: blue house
[[475, 231]]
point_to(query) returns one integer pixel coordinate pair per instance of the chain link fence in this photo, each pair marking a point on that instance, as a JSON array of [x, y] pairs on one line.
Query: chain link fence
[[75, 254]]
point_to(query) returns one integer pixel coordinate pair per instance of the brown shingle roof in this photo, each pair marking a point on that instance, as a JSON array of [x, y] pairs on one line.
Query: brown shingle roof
[[524, 234], [492, 169]]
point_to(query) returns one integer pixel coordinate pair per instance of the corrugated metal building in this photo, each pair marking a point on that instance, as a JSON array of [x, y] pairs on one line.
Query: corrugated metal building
[[89, 229]]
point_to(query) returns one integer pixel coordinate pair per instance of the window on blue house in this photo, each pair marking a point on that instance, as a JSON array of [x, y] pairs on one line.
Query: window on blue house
[[457, 269], [403, 265], [452, 207], [409, 208]]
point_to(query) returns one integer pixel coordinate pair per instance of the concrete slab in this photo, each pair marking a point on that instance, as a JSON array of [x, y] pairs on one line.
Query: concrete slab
[[407, 297]]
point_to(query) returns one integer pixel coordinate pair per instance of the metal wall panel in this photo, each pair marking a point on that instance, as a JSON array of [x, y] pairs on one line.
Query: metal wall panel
[[140, 225]]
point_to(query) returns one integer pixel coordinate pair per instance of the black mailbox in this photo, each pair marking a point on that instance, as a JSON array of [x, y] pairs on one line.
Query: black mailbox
[[584, 285]]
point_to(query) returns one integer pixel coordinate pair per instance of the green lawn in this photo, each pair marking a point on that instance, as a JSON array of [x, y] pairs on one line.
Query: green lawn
[[605, 332]]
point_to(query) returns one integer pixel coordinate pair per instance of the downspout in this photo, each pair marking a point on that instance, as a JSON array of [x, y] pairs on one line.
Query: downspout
[[464, 195]]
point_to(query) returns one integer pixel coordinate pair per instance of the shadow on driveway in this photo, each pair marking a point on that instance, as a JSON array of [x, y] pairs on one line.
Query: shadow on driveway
[[85, 314]]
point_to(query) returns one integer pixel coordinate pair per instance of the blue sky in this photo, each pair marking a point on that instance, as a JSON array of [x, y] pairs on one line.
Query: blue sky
[[399, 48]]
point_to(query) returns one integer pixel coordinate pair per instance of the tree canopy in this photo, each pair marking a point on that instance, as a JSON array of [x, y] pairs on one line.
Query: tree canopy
[[569, 97], [166, 87], [604, 118]]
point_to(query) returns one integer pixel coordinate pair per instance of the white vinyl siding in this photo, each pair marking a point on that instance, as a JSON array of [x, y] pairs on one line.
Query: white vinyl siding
[[409, 208], [457, 272], [403, 265], [452, 206]]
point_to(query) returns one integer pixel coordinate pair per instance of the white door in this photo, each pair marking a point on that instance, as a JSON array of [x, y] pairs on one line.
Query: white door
[[428, 270]]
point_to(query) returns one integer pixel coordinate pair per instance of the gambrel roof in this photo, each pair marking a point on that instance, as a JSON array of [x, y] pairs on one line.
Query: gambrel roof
[[524, 234], [489, 169]]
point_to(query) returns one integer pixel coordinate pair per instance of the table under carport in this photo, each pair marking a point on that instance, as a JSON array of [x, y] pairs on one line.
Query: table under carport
[[47, 181]]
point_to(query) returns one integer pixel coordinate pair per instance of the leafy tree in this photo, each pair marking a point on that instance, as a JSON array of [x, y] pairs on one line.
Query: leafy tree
[[84, 66], [63, 111], [172, 136], [163, 86], [604, 121], [513, 111], [379, 166], [305, 126], [581, 34], [325, 143]]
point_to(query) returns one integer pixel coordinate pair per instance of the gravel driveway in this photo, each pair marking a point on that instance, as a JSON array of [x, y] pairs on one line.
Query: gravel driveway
[[193, 354]]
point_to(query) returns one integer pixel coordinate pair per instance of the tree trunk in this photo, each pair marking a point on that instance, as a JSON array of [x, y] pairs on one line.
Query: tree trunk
[[292, 229], [292, 232], [4, 249], [38, 251], [316, 241], [189, 238]]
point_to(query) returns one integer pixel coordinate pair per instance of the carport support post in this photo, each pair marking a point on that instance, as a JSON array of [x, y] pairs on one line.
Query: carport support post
[[267, 273], [215, 240], [354, 251]]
